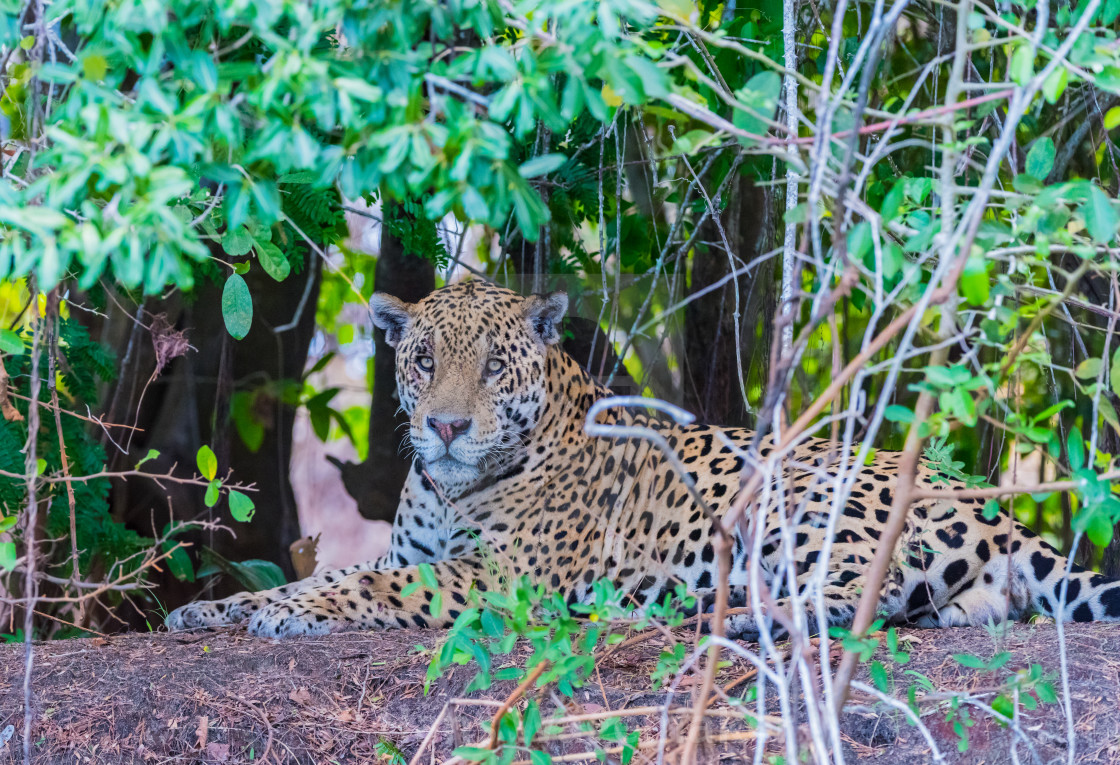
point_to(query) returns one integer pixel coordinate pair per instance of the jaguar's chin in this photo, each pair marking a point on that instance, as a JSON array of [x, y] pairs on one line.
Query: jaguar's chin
[[450, 473]]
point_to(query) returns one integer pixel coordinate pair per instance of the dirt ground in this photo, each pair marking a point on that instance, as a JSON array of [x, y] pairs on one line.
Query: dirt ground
[[229, 698]]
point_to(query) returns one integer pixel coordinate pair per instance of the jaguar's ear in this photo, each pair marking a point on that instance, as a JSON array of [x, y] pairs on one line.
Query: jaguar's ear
[[390, 314], [544, 313]]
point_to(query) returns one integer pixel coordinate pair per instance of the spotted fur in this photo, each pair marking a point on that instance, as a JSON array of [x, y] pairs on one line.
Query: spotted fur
[[506, 482]]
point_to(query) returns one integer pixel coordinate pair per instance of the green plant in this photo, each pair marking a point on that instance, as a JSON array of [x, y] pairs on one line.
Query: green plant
[[563, 640]]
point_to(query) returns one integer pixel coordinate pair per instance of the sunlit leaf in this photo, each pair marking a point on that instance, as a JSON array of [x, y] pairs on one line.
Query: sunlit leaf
[[11, 343], [207, 462]]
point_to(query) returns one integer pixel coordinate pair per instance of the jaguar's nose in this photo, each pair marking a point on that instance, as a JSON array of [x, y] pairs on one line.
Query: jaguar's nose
[[449, 430]]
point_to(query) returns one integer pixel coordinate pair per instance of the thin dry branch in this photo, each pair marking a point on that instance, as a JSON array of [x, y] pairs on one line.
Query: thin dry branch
[[888, 539]]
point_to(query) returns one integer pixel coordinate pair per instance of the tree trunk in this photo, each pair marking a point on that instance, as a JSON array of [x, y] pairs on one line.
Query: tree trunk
[[187, 406], [376, 483], [711, 377]]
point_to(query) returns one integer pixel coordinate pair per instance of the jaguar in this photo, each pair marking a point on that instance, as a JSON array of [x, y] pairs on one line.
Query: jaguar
[[506, 481]]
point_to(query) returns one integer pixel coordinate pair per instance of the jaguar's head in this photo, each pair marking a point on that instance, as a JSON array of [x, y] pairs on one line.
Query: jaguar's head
[[470, 373]]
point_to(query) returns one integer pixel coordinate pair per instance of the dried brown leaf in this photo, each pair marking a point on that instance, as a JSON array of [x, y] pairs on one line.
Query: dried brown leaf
[[304, 554], [169, 343], [202, 731], [11, 414]]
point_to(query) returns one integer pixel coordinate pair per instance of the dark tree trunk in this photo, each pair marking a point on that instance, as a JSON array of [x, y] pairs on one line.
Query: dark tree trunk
[[376, 483], [187, 406], [711, 378]]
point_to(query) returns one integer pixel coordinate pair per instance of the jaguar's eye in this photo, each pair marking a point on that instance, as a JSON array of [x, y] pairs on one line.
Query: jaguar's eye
[[427, 363], [494, 366]]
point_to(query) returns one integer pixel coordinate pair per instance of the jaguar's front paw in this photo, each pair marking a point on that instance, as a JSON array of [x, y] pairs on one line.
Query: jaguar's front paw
[[742, 627], [290, 618], [213, 613]]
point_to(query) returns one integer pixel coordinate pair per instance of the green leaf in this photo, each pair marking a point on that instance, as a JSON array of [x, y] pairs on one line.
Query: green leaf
[[1099, 527], [178, 562], [151, 455], [253, 574], [1040, 159], [999, 660], [508, 673], [258, 575], [435, 608], [1112, 118], [1055, 84], [1021, 67], [273, 260], [213, 492], [428, 576], [1109, 12], [241, 506], [532, 722], [1004, 705], [492, 624], [237, 307], [861, 243], [237, 241], [991, 509], [245, 418], [1053, 409], [975, 284], [760, 94], [1088, 369], [7, 555], [968, 660], [358, 88], [892, 202], [898, 413], [879, 676], [537, 757], [320, 421], [1100, 216], [474, 754], [11, 343], [95, 67], [1075, 447], [542, 165], [1108, 412], [207, 462]]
